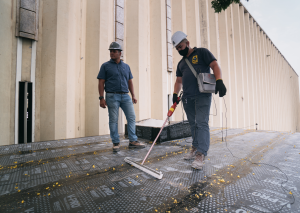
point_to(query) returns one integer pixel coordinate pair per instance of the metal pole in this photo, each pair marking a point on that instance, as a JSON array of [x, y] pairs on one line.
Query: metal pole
[[222, 126], [155, 140]]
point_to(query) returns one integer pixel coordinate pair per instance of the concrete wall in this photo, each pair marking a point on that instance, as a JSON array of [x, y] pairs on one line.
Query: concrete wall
[[137, 54], [7, 69], [62, 95], [99, 34], [74, 36]]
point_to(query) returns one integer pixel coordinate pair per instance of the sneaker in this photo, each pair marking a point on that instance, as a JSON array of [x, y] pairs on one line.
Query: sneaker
[[199, 161], [136, 144], [191, 155], [116, 147]]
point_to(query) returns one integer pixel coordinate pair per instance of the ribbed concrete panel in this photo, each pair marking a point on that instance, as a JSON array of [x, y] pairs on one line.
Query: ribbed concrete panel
[[272, 71], [254, 70], [178, 24], [267, 68], [7, 72], [191, 18], [248, 68], [137, 54], [214, 119], [257, 76], [224, 60], [204, 23], [263, 84], [245, 73], [99, 34], [232, 87], [158, 59], [47, 97], [238, 65]]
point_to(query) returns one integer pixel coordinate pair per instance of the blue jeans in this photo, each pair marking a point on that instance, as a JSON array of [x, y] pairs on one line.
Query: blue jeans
[[114, 101], [197, 112]]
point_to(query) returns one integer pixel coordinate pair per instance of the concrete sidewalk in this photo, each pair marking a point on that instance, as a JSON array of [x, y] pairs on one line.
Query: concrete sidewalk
[[84, 175]]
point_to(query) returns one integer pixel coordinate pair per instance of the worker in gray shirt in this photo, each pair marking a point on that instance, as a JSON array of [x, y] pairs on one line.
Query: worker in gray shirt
[[195, 103], [115, 78]]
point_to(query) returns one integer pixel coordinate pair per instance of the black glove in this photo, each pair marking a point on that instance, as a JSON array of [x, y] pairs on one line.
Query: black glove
[[220, 87], [175, 97]]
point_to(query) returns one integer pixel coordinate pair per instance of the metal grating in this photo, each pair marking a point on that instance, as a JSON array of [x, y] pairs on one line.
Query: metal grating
[[84, 175]]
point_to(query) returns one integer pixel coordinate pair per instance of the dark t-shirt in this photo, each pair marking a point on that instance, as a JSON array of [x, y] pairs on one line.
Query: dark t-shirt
[[200, 58], [116, 76]]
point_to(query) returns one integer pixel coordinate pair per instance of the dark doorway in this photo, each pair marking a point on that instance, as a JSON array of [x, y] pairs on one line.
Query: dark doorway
[[25, 112]]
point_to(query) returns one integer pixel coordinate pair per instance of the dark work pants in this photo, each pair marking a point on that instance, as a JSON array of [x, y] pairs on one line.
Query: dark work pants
[[197, 111]]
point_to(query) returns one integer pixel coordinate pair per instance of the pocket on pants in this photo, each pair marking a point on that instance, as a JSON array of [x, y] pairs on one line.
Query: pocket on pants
[[109, 95], [110, 98], [127, 98]]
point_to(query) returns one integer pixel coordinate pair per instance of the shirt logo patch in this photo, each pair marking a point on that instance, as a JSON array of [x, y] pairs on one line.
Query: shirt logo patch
[[195, 59]]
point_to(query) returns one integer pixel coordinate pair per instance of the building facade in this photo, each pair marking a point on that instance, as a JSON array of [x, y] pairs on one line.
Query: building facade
[[51, 52]]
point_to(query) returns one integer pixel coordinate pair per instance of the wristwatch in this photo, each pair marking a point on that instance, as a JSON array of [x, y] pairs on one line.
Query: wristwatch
[[101, 97]]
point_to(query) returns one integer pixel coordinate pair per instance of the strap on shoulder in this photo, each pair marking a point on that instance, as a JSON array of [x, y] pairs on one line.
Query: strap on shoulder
[[191, 67]]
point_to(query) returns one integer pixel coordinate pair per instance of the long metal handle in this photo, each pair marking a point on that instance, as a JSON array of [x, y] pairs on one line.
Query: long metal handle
[[155, 140]]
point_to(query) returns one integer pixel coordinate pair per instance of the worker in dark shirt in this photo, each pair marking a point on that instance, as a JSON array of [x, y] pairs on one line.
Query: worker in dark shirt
[[195, 103], [115, 78]]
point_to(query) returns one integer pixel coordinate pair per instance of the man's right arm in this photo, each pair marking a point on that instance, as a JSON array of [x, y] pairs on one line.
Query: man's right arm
[[101, 92], [178, 85], [177, 88], [101, 86]]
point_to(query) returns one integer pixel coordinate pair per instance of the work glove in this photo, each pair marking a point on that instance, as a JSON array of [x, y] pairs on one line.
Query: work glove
[[175, 97], [220, 87]]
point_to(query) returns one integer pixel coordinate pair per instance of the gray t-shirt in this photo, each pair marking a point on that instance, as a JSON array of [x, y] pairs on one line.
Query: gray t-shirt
[[200, 58]]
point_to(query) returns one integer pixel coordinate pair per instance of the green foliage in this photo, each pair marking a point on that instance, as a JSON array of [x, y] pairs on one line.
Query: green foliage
[[220, 5]]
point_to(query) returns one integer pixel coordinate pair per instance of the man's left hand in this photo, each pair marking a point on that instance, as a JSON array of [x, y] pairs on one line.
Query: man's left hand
[[134, 100], [220, 87]]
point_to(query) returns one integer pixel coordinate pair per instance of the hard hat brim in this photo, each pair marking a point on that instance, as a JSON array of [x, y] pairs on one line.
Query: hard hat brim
[[174, 46], [114, 49]]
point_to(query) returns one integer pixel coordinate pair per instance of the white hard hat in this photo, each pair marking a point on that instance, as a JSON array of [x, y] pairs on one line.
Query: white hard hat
[[115, 46], [178, 37]]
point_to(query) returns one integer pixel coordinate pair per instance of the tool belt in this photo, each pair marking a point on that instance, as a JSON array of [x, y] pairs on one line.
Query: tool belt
[[206, 81]]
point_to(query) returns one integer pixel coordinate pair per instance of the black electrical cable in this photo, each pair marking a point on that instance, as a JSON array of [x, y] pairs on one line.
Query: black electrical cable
[[287, 179], [284, 189]]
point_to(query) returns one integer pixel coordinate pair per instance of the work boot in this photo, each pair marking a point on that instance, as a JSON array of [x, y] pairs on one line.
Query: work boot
[[191, 155], [199, 161], [116, 147], [136, 144]]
